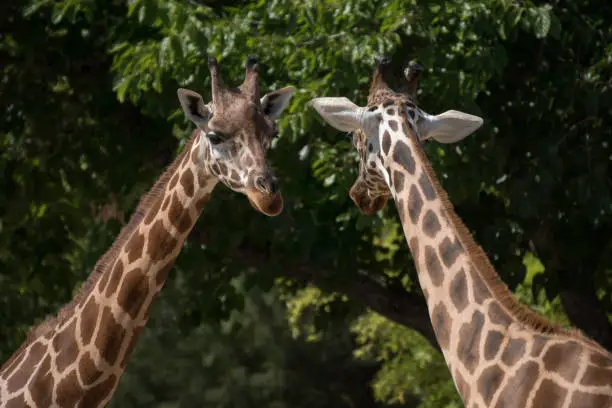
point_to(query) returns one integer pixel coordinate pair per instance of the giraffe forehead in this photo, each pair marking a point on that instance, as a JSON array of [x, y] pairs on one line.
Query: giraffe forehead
[[242, 119]]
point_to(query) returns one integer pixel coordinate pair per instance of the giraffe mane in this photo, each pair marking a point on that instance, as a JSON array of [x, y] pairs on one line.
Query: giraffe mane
[[485, 269], [108, 259]]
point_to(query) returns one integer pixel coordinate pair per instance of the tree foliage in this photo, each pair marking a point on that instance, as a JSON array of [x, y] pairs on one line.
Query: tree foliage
[[90, 118]]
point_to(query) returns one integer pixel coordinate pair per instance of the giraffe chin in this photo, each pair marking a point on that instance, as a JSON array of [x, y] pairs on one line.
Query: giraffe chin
[[370, 207], [268, 204]]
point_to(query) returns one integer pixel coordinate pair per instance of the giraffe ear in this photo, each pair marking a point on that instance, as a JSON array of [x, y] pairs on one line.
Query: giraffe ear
[[449, 127], [274, 103], [194, 107], [339, 112]]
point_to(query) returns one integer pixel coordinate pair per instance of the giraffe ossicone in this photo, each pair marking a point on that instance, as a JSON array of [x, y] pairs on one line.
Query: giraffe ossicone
[[75, 358], [500, 353]]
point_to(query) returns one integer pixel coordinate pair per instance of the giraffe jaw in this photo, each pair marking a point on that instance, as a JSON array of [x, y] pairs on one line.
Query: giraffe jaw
[[267, 204], [366, 204], [372, 206]]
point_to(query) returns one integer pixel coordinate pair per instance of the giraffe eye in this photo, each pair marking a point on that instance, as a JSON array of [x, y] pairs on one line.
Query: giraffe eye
[[215, 138]]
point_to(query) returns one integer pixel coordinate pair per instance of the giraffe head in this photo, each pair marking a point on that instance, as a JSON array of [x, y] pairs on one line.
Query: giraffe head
[[388, 117], [237, 129]]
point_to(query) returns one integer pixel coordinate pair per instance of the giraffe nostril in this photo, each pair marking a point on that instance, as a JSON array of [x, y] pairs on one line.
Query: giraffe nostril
[[267, 184], [260, 183]]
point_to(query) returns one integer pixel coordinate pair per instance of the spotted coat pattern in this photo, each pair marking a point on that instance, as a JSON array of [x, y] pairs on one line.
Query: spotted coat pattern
[[76, 358]]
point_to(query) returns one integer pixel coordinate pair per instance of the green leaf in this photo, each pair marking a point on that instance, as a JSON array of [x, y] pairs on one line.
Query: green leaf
[[542, 22]]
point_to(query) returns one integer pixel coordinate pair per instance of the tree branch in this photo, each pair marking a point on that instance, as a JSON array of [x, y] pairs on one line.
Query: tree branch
[[399, 306]]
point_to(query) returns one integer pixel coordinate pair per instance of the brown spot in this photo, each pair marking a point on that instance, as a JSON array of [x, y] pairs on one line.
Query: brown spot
[[549, 394], [431, 224], [403, 156], [133, 292], [596, 376], [248, 161], [109, 337], [134, 247], [390, 111], [17, 402], [449, 251], [469, 341], [386, 142], [41, 385], [393, 125], [161, 243], [179, 217], [20, 377], [88, 319], [162, 275], [426, 187], [222, 168], [462, 386], [387, 102], [601, 360], [492, 344], [590, 400], [64, 343], [115, 278], [173, 181], [489, 382], [398, 181], [498, 315], [537, 344], [413, 244], [441, 322], [514, 351], [199, 205], [562, 358], [517, 389], [458, 291], [88, 370], [187, 183], [131, 345], [100, 392], [153, 211], [479, 288], [415, 204], [432, 263], [69, 392], [235, 176]]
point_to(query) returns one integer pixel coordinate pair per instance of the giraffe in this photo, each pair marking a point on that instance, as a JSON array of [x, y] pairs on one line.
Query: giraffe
[[76, 358], [499, 352]]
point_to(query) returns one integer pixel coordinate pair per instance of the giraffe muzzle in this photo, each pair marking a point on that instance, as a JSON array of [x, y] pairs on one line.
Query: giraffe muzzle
[[366, 204], [265, 195]]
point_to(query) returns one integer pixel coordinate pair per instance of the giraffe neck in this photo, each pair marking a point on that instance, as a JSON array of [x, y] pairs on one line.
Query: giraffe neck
[[484, 333], [78, 356]]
